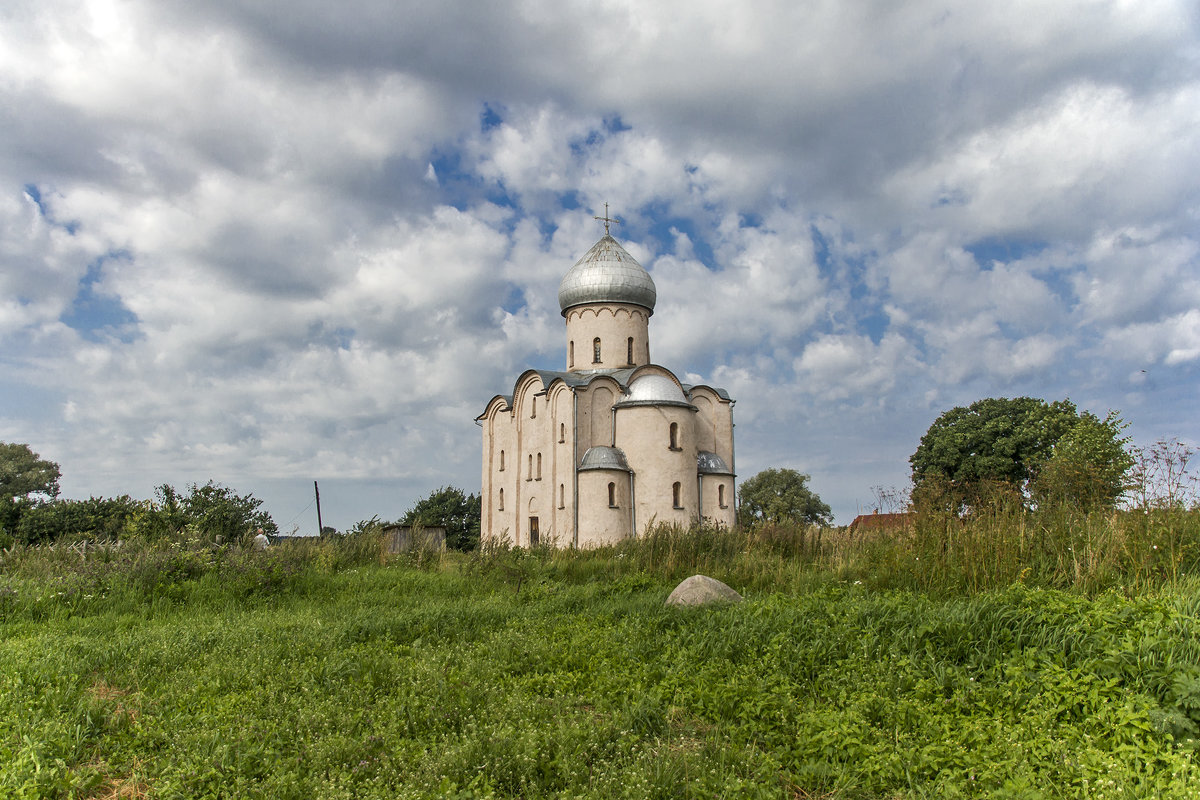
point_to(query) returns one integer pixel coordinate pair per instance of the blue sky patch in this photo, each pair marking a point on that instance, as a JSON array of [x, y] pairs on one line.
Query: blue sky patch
[[456, 187], [615, 124], [35, 194], [514, 301], [97, 316], [987, 251], [662, 227], [489, 119], [580, 147]]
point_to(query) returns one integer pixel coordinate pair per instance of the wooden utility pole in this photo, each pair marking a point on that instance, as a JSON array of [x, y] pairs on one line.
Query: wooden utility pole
[[320, 527]]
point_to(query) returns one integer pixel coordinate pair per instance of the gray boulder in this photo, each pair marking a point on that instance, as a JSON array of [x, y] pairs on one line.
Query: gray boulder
[[701, 589]]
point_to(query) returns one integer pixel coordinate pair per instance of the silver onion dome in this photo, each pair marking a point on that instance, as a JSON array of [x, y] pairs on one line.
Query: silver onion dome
[[607, 274], [601, 457]]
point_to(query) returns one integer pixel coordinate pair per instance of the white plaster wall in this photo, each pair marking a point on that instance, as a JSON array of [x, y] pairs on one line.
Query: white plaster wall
[[643, 434], [601, 397], [705, 426], [562, 457], [614, 325], [715, 426], [710, 499], [599, 523], [532, 419], [499, 435]]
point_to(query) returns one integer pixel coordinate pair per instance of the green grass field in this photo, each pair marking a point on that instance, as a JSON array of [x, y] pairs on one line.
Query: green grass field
[[321, 672]]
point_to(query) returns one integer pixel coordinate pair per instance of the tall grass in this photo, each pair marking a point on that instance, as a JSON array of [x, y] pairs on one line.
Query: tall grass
[[41, 582], [937, 553], [1060, 548]]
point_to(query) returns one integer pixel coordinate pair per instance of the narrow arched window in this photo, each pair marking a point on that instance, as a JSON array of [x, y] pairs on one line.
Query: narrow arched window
[[500, 507], [676, 490], [596, 350], [612, 495], [562, 496], [674, 436], [502, 461], [533, 407], [570, 354], [539, 469], [721, 496], [629, 350], [529, 472], [562, 432]]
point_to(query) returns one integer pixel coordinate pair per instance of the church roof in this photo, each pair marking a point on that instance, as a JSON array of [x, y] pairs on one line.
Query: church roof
[[653, 390], [607, 274], [582, 377], [621, 376], [639, 391], [709, 463], [603, 457]]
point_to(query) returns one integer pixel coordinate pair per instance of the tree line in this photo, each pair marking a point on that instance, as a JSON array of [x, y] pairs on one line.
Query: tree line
[[32, 513], [1042, 455]]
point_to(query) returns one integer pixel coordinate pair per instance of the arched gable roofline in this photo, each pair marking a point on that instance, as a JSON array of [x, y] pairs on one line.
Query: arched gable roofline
[[654, 369], [720, 395], [601, 379], [556, 388], [527, 379], [527, 385], [497, 405]]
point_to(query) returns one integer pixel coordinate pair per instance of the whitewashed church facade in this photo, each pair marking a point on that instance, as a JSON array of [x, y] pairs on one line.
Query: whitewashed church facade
[[615, 443]]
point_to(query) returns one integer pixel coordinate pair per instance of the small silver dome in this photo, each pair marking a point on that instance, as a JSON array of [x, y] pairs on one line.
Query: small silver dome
[[654, 389], [601, 457], [607, 274], [711, 464]]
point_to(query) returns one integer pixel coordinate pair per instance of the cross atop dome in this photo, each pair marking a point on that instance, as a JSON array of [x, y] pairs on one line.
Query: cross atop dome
[[606, 219]]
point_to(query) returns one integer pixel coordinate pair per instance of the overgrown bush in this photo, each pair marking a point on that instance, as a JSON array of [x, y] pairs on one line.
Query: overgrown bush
[[209, 512], [97, 518]]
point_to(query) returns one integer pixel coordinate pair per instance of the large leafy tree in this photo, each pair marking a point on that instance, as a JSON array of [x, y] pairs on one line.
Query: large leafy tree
[[25, 479], [1013, 441], [215, 510], [1088, 465], [24, 473], [781, 496], [460, 514]]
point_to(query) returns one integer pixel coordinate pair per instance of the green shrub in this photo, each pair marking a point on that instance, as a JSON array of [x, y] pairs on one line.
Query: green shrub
[[97, 518]]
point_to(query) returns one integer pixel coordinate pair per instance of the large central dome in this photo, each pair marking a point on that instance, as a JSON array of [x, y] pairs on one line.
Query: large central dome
[[607, 274]]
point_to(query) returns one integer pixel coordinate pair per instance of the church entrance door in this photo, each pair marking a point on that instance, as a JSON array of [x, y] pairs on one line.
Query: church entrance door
[[533, 531]]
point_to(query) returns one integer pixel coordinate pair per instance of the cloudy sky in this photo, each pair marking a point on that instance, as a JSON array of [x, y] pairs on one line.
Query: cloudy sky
[[276, 242]]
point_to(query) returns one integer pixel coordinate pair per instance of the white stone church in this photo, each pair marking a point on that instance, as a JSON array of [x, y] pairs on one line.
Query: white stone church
[[614, 444]]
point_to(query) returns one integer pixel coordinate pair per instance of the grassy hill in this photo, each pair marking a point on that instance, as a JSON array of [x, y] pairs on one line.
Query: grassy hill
[[321, 670]]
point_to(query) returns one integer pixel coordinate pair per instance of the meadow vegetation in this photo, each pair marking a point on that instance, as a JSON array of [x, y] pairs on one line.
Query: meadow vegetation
[[1015, 654]]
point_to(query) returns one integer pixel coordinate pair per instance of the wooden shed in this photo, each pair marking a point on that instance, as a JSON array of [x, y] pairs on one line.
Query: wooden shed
[[402, 538]]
